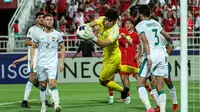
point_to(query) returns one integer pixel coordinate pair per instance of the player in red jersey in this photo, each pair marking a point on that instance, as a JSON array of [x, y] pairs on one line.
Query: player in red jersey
[[134, 53], [123, 39]]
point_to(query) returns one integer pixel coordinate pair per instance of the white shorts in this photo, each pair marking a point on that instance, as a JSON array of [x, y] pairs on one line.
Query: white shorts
[[157, 68], [46, 73], [167, 71], [30, 70]]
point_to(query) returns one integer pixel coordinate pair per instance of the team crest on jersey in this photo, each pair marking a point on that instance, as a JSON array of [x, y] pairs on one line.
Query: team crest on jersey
[[53, 38]]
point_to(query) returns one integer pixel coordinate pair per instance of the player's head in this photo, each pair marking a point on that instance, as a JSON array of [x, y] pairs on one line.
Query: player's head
[[48, 20], [129, 24], [39, 18], [144, 12], [16, 21], [111, 17]]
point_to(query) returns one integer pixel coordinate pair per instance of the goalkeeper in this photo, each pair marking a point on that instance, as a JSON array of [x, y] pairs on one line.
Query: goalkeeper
[[106, 37]]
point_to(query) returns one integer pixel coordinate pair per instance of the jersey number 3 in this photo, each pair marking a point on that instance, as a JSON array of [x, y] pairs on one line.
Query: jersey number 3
[[156, 36]]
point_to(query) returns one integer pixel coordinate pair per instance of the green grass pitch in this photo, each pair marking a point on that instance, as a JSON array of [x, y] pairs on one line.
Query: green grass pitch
[[79, 97]]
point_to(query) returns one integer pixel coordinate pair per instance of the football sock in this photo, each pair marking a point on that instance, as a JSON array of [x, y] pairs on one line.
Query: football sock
[[27, 90], [55, 95], [144, 97], [110, 92], [173, 95], [112, 85], [128, 94], [43, 97], [155, 94], [162, 100]]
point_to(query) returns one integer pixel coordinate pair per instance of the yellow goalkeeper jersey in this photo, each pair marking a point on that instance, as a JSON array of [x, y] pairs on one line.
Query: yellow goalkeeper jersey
[[111, 33]]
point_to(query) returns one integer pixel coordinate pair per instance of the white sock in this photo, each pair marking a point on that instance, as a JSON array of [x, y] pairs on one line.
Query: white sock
[[155, 94], [162, 102], [27, 90], [55, 95], [48, 91], [173, 95], [144, 97], [42, 98]]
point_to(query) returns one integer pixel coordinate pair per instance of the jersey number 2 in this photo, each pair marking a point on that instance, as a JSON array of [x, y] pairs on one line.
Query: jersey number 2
[[156, 36]]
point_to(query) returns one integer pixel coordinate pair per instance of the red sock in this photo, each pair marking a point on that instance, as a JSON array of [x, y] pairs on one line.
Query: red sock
[[148, 87], [128, 93], [110, 92]]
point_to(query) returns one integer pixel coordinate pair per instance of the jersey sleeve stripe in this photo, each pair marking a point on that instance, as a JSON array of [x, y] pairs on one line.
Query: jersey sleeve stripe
[[110, 38]]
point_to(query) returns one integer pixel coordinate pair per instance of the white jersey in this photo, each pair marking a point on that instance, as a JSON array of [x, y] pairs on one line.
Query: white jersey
[[152, 29], [48, 48], [31, 32]]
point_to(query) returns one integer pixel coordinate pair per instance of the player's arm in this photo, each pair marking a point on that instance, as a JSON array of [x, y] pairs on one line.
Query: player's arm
[[103, 43], [139, 53], [62, 46], [127, 38], [29, 38], [169, 48], [112, 36], [166, 35], [20, 60], [34, 45]]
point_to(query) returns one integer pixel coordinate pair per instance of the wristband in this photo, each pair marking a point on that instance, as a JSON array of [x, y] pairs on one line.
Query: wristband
[[167, 55], [148, 57]]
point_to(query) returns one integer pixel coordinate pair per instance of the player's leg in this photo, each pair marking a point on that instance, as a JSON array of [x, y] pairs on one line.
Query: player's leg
[[52, 76], [111, 93], [42, 77], [109, 68], [126, 83], [172, 91], [32, 81], [172, 88], [159, 73], [143, 74]]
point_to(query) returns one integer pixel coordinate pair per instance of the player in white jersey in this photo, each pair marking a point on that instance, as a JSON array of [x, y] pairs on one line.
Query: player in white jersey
[[32, 72], [154, 57], [47, 42]]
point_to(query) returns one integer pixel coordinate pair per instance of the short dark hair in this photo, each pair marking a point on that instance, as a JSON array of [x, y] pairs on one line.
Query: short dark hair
[[16, 21], [48, 15], [38, 14], [111, 14], [130, 20], [145, 10]]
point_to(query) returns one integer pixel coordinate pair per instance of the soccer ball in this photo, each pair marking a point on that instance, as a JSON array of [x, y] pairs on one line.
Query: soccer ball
[[84, 32]]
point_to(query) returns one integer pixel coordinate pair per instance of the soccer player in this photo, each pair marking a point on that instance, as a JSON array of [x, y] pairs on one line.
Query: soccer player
[[47, 42], [134, 53], [154, 57], [107, 38], [32, 72], [123, 39], [167, 79]]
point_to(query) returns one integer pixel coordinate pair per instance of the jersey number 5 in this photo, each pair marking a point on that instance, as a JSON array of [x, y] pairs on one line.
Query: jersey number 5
[[156, 36]]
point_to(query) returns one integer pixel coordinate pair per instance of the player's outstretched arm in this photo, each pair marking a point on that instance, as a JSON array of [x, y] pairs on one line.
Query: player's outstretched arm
[[34, 45], [128, 38], [62, 46], [20, 60]]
